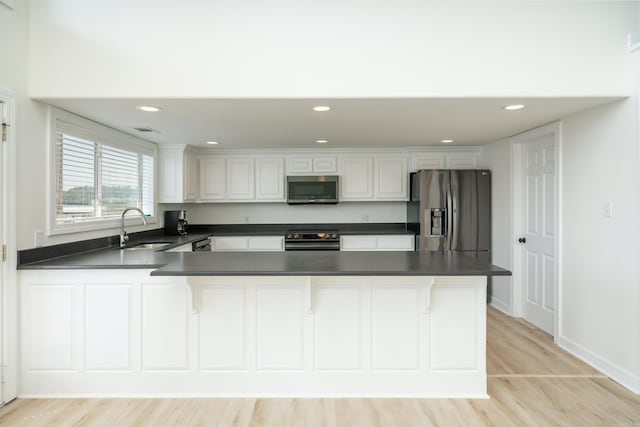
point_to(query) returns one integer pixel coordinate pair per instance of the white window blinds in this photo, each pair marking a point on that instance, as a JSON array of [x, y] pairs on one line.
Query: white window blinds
[[96, 181]]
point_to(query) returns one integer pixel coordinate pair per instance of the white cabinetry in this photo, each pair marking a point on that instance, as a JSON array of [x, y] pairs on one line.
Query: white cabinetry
[[213, 179], [302, 165], [378, 178], [383, 242], [241, 179], [357, 178], [247, 243], [450, 159], [124, 333], [462, 161], [428, 161], [178, 174], [269, 179], [390, 178]]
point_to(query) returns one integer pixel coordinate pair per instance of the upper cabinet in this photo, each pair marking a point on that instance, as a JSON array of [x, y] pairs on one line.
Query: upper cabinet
[[379, 177], [178, 174], [308, 165], [445, 159], [189, 174], [241, 179], [269, 179], [390, 178], [356, 182]]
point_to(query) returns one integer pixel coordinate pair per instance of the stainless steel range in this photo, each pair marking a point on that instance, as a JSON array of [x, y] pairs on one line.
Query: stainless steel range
[[312, 240]]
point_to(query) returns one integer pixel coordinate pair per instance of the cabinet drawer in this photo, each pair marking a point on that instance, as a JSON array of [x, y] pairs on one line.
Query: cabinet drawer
[[357, 243], [377, 243], [396, 243], [266, 243], [230, 244]]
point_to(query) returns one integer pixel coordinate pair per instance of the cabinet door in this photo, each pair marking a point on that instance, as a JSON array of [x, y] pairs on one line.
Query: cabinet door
[[462, 162], [240, 180], [395, 243], [183, 248], [325, 165], [357, 243], [213, 179], [190, 189], [299, 165], [428, 161], [270, 180], [357, 178], [266, 243], [229, 244], [390, 178], [170, 175]]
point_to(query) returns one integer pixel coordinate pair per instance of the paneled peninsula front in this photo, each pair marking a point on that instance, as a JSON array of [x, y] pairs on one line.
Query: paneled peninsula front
[[392, 324]]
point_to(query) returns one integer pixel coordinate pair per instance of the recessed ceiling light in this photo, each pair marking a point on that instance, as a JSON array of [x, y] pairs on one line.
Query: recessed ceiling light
[[514, 107], [447, 141], [321, 108], [322, 141], [149, 108], [212, 142]]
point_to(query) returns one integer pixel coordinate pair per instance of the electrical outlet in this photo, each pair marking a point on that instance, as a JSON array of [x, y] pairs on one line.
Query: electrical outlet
[[38, 237], [246, 220], [365, 217]]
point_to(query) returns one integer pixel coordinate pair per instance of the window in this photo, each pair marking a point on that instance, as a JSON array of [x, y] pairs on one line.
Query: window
[[98, 173]]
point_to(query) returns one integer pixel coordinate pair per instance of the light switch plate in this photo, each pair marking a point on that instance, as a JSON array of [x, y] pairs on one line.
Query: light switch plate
[[38, 237], [607, 209]]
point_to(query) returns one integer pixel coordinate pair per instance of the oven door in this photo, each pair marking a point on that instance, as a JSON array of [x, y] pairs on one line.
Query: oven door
[[312, 246]]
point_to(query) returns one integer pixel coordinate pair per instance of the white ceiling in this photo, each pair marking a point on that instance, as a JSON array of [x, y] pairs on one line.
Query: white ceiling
[[351, 123]]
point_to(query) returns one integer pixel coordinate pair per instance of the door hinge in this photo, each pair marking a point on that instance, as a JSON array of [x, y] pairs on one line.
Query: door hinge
[[4, 132], [4, 253]]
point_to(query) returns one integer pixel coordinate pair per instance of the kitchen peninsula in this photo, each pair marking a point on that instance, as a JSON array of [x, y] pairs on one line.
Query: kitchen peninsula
[[254, 324]]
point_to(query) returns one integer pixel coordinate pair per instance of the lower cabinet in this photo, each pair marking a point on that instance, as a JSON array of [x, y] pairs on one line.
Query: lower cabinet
[[247, 243], [125, 333], [390, 242]]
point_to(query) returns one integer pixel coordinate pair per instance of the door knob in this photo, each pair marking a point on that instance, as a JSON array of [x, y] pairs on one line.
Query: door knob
[[522, 240]]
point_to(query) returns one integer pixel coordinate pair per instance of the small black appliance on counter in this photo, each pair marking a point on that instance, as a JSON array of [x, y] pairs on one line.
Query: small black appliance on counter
[[175, 222]]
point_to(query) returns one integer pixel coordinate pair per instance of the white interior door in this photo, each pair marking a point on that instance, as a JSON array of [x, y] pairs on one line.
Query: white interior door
[[3, 122], [539, 230]]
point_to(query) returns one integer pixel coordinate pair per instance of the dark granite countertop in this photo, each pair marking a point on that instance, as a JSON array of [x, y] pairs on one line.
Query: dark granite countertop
[[113, 257], [328, 263], [104, 254], [282, 229]]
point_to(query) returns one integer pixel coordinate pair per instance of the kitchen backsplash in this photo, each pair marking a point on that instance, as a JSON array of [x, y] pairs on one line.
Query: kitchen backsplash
[[281, 213]]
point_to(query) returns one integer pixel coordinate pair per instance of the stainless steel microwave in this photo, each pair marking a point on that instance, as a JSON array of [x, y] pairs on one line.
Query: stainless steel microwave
[[312, 189]]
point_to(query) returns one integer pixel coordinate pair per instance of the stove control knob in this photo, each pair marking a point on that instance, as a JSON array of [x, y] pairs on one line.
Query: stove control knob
[[296, 236], [334, 235], [289, 236]]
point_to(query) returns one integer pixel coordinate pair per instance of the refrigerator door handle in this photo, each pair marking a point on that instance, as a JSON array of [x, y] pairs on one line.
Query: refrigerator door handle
[[454, 194], [450, 226]]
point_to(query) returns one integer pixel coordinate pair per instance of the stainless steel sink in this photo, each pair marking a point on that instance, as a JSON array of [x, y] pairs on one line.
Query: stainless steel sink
[[147, 245]]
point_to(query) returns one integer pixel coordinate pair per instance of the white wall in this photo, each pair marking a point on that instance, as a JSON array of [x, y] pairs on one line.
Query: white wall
[[600, 278], [497, 158], [333, 48], [281, 213]]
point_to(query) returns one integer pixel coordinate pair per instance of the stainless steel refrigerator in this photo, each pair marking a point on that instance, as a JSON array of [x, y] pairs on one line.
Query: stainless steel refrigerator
[[450, 210]]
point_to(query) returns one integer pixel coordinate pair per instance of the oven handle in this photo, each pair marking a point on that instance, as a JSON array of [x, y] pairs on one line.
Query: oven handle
[[311, 246]]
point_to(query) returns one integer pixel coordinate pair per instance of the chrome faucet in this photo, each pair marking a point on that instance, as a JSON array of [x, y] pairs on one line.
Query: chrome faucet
[[123, 234]]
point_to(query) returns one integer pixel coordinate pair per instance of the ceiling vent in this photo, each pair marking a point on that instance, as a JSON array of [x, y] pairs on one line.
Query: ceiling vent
[[146, 129]]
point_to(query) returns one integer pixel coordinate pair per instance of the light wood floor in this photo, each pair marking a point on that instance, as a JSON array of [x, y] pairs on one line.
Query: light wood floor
[[531, 383]]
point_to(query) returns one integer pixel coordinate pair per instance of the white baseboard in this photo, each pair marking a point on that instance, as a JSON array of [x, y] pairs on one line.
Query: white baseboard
[[500, 305], [619, 375]]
